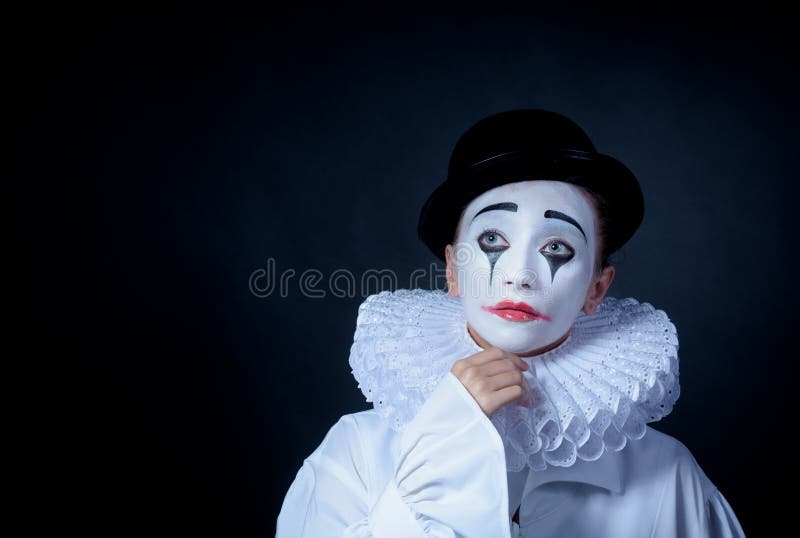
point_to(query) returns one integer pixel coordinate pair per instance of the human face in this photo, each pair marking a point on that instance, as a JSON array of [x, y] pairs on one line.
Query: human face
[[530, 242]]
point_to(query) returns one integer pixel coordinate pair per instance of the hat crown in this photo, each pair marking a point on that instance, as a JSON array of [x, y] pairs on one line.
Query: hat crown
[[527, 129], [530, 144]]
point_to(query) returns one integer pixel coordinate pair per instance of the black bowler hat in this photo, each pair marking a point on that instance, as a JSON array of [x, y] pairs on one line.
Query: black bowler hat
[[526, 144]]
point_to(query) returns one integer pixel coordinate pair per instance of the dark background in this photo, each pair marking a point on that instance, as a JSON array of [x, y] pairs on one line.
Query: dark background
[[166, 156]]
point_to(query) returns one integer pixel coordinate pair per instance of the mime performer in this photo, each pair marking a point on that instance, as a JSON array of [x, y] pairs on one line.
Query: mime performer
[[517, 402]]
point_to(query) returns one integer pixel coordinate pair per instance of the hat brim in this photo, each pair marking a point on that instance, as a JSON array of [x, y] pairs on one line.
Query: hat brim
[[600, 173]]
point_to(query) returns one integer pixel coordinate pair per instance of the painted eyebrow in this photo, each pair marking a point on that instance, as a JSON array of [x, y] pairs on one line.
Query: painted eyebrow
[[549, 214], [553, 214], [505, 206]]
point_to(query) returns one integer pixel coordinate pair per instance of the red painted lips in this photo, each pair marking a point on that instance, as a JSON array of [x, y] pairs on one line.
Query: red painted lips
[[515, 311]]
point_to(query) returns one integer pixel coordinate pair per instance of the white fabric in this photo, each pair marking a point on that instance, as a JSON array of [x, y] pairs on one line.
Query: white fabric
[[445, 476], [616, 371], [444, 472]]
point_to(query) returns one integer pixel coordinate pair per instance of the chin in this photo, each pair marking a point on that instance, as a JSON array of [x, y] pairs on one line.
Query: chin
[[522, 347], [511, 336]]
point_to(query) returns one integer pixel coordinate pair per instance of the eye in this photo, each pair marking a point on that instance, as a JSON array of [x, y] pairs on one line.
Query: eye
[[491, 241], [558, 249]]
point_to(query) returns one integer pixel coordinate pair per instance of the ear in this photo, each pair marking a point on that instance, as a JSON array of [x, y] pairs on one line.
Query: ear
[[598, 289], [450, 272]]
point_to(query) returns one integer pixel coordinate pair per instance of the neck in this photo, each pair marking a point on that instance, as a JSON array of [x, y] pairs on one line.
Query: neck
[[538, 351]]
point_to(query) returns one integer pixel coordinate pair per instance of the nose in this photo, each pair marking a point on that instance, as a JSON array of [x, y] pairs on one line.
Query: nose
[[524, 279], [521, 269]]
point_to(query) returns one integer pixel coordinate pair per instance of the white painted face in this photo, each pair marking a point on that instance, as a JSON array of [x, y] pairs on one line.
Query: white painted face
[[531, 242]]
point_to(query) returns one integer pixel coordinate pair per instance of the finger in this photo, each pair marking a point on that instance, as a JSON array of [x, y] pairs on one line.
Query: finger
[[517, 360], [485, 356], [527, 393], [527, 396], [504, 396], [504, 379], [521, 364], [495, 354], [496, 367]]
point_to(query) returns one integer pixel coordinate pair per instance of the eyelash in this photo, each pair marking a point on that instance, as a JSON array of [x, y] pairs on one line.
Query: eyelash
[[571, 251], [497, 232], [492, 230]]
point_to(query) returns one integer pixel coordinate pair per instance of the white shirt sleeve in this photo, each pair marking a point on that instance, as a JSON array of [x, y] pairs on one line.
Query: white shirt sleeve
[[450, 479], [722, 522], [691, 505]]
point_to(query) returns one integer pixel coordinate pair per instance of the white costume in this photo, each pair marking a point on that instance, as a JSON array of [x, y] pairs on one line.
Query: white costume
[[581, 462]]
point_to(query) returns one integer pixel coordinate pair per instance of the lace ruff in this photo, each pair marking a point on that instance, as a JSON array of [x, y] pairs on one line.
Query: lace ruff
[[616, 371]]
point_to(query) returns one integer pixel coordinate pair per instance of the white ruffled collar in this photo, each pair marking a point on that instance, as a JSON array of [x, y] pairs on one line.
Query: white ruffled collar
[[615, 372]]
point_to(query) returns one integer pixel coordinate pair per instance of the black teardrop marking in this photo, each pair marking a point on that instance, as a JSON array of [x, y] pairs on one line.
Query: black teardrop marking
[[555, 263], [493, 256]]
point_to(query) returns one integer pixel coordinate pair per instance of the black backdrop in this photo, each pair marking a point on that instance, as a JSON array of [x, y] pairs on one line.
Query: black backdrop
[[169, 156]]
